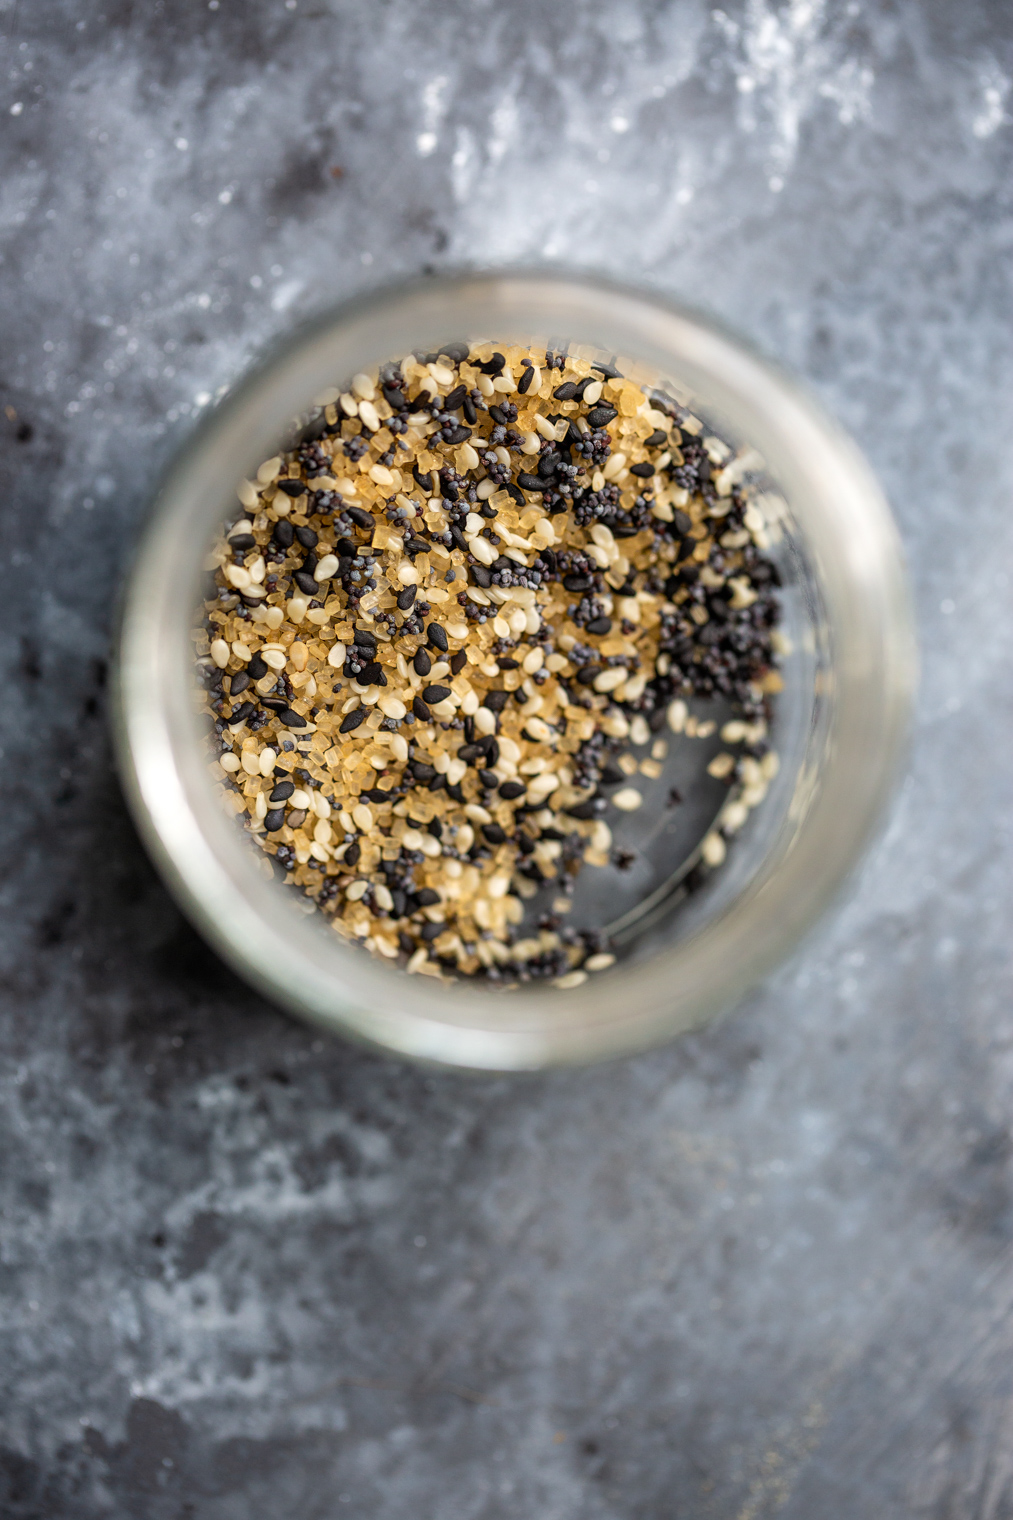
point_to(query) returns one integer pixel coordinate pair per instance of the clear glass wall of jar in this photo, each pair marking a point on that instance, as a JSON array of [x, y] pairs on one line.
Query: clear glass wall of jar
[[842, 718]]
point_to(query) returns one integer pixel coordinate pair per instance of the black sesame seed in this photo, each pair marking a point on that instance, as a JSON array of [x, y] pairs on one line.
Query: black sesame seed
[[489, 779], [307, 537], [353, 719], [346, 549], [470, 411], [458, 662], [291, 488], [494, 833], [495, 701], [529, 482], [436, 693], [420, 710], [406, 597], [422, 772], [246, 710], [257, 668], [566, 391], [361, 518], [282, 791], [352, 854], [586, 674], [511, 789], [452, 401], [370, 674], [438, 637], [481, 576], [524, 383], [239, 682], [305, 582], [645, 469], [291, 719], [426, 897], [283, 533], [435, 827], [456, 352], [455, 435], [242, 541], [656, 439], [365, 640], [274, 819], [577, 582], [599, 416], [422, 663], [600, 625]]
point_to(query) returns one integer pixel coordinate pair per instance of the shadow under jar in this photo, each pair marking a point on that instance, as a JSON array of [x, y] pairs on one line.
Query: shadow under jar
[[839, 724]]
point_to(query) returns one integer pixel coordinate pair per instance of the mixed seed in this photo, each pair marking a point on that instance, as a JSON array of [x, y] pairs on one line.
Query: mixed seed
[[448, 617]]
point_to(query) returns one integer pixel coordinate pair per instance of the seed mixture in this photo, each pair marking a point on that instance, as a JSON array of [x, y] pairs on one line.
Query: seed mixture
[[447, 622]]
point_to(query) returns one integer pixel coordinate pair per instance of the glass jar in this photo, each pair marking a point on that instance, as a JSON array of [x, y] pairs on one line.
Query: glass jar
[[842, 718]]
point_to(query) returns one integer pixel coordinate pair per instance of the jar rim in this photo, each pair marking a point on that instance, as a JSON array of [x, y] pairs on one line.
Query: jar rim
[[846, 524]]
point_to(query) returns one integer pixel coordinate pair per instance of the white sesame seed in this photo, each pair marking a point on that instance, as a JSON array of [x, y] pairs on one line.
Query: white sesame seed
[[363, 387], [220, 653], [677, 714], [713, 849], [627, 799], [602, 961], [482, 549], [571, 979]]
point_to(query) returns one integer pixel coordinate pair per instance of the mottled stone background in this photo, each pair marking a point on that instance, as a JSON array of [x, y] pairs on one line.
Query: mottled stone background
[[246, 1272]]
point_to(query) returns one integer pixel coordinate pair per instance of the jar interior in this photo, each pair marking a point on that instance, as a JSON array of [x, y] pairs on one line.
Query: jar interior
[[665, 892]]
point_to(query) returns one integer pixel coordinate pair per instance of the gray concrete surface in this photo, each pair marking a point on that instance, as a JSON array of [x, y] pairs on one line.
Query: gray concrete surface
[[249, 1273]]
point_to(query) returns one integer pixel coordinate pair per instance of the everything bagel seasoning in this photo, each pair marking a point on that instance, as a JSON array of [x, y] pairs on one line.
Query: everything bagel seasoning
[[449, 620]]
